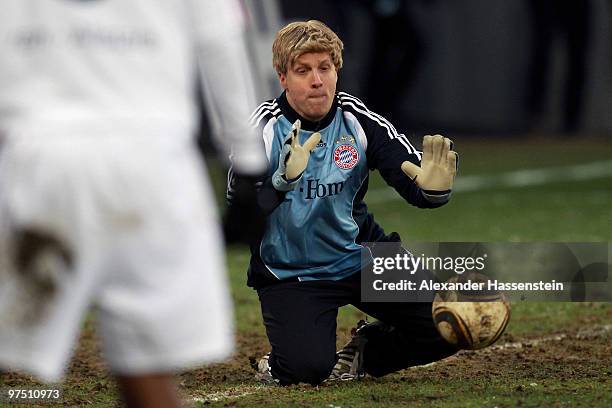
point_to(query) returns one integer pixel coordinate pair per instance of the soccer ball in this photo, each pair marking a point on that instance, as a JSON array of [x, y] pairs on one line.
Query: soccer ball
[[470, 322]]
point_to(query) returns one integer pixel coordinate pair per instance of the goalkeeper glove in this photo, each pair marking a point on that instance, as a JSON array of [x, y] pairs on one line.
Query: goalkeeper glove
[[438, 168], [293, 159]]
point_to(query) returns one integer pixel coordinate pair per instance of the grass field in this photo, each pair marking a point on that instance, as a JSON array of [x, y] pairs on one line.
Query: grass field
[[552, 354]]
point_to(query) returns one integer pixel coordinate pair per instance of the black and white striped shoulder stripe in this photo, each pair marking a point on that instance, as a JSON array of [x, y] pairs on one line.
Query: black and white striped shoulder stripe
[[265, 110], [353, 103]]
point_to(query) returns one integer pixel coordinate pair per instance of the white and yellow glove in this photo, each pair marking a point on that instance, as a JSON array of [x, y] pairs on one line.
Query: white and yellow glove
[[293, 159], [438, 169]]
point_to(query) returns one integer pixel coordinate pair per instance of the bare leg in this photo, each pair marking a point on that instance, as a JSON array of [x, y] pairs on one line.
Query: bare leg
[[149, 391]]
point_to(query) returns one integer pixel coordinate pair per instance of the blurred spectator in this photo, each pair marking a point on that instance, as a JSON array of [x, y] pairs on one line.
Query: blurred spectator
[[394, 58], [554, 23]]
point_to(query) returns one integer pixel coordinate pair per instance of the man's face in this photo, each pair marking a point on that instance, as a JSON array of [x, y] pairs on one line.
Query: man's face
[[311, 84]]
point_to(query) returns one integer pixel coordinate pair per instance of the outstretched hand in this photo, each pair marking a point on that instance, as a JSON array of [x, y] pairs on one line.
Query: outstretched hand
[[299, 154], [438, 165], [293, 158]]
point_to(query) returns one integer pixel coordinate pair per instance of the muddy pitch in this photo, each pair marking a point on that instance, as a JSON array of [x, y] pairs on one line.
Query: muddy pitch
[[584, 354]]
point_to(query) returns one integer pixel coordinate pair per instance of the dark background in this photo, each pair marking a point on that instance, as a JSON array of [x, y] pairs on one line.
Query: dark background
[[488, 67]]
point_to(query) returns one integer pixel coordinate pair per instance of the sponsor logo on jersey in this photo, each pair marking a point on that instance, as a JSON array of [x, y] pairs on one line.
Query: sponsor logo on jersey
[[346, 156], [314, 189], [321, 144], [34, 38]]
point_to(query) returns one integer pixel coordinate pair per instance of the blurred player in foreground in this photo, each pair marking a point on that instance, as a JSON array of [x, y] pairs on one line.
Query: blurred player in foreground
[[321, 144], [104, 201]]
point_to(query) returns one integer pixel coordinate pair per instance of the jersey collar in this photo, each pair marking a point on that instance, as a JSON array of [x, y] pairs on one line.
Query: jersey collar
[[308, 125]]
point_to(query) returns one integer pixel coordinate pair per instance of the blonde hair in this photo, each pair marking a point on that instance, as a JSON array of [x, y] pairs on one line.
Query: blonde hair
[[301, 37]]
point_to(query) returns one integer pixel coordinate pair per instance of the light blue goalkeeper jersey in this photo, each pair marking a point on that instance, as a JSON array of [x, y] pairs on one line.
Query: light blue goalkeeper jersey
[[312, 233], [316, 231]]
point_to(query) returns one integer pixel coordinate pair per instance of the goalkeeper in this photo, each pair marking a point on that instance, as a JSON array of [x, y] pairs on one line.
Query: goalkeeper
[[321, 145]]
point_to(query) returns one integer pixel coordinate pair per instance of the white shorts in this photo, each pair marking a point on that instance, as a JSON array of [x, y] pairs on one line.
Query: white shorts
[[125, 226]]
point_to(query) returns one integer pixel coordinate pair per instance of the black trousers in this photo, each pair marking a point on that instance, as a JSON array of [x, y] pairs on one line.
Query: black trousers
[[300, 320]]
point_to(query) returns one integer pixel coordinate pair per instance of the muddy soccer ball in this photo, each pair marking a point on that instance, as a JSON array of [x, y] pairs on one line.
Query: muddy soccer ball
[[470, 324]]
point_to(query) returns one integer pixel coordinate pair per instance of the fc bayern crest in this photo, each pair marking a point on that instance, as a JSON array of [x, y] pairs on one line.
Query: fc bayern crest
[[346, 156]]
